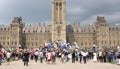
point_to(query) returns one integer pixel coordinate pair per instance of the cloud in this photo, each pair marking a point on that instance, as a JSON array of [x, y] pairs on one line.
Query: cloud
[[83, 11]]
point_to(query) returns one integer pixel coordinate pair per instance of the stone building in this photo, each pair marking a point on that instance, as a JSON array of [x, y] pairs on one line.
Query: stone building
[[101, 33]]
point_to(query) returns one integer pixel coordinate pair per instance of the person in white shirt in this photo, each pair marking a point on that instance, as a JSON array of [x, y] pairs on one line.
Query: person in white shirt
[[100, 56], [8, 55], [95, 57], [36, 55], [41, 56], [49, 56], [84, 54]]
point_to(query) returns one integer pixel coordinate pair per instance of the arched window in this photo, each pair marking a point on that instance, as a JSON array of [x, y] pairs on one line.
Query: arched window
[[5, 29], [113, 28], [81, 43], [56, 3], [8, 29], [77, 31], [29, 31], [117, 28], [60, 4]]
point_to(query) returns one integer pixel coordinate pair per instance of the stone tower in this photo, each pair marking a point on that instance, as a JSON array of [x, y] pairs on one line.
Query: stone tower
[[58, 20], [102, 32], [16, 32]]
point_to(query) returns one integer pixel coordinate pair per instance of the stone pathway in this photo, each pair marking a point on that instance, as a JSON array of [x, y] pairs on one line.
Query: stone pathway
[[59, 65]]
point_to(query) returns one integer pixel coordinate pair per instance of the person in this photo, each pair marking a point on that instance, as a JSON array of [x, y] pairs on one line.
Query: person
[[77, 56], [41, 56], [84, 54], [95, 57], [80, 56], [100, 56], [36, 55], [53, 57], [1, 57], [62, 57], [31, 54], [8, 56], [118, 58], [73, 57], [26, 58], [49, 55], [104, 56]]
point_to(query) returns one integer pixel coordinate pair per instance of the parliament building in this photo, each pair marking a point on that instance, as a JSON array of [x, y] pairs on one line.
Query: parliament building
[[101, 33]]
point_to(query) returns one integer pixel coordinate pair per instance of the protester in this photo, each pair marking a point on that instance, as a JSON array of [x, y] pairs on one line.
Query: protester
[[80, 57], [41, 56], [53, 57], [36, 55], [84, 54], [73, 57], [95, 57], [26, 58], [8, 56], [49, 56]]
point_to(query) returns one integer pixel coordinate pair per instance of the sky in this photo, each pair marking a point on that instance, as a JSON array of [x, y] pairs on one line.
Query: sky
[[82, 11]]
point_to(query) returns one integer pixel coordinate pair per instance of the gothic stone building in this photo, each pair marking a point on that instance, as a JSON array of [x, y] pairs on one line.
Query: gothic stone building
[[100, 33]]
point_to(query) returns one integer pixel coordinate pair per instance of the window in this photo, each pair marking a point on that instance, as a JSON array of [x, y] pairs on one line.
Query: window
[[77, 31], [117, 28], [60, 4], [29, 31], [56, 3], [113, 28], [60, 22], [36, 44], [5, 29], [1, 29], [15, 43], [81, 43], [7, 43], [109, 28], [12, 42], [8, 29], [3, 43]]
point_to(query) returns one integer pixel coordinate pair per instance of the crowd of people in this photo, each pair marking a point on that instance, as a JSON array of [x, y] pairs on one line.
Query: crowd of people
[[62, 52]]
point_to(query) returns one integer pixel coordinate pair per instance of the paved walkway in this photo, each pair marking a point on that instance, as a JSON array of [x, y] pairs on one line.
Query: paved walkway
[[69, 65]]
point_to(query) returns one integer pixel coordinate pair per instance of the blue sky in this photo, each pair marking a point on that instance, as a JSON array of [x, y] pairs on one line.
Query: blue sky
[[83, 11]]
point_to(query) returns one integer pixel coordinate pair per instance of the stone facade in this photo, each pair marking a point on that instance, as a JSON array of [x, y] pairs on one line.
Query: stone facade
[[58, 20], [100, 33]]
